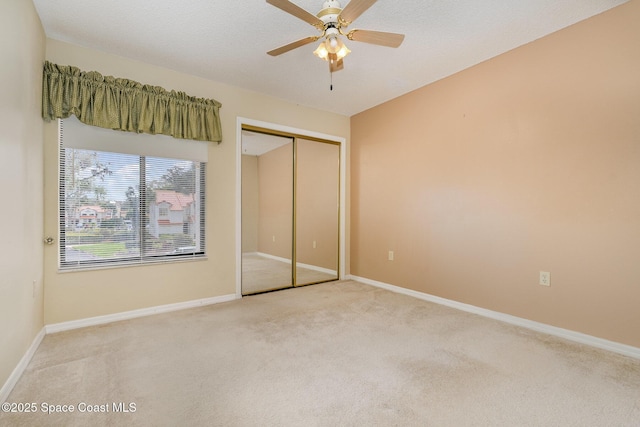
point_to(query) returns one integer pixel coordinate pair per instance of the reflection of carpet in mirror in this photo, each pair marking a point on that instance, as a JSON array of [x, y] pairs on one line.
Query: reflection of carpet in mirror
[[261, 274]]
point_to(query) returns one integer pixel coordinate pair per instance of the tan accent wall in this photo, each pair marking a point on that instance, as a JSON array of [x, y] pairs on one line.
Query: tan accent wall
[[527, 162], [77, 295], [250, 210], [22, 47], [275, 200]]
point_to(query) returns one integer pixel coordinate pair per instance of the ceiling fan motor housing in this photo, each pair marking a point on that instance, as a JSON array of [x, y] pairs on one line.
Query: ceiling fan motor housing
[[329, 14]]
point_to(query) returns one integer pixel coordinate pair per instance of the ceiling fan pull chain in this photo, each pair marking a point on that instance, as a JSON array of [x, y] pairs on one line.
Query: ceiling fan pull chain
[[331, 84]]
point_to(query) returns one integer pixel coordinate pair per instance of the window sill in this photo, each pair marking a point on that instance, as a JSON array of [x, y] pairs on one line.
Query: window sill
[[128, 264]]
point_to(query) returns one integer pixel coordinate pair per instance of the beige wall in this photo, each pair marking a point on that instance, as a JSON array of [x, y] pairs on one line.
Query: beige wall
[[22, 44], [79, 295], [527, 162]]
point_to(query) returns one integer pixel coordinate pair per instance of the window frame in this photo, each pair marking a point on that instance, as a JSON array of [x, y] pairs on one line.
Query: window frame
[[142, 258]]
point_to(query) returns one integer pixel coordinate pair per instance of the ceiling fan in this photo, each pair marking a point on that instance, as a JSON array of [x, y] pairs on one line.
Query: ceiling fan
[[332, 22]]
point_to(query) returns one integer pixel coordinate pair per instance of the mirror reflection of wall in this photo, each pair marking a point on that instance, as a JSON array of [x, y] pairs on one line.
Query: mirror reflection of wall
[[290, 202], [267, 212], [317, 210]]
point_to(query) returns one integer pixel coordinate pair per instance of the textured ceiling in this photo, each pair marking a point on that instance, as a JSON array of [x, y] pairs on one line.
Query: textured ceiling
[[227, 41]]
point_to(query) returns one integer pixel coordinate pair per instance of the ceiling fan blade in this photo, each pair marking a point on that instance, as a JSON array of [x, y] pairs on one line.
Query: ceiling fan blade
[[286, 48], [376, 37], [335, 64], [298, 12], [354, 9]]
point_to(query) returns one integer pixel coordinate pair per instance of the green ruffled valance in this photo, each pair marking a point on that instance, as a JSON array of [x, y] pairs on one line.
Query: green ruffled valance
[[122, 104]]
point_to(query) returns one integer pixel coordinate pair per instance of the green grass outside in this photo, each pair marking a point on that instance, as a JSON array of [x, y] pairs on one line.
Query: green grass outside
[[102, 250]]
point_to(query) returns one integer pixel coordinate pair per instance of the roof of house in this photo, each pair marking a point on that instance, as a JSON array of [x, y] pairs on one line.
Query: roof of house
[[178, 201], [93, 208]]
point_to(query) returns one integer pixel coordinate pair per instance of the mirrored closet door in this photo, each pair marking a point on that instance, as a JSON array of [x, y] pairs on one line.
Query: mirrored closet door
[[290, 211], [316, 211]]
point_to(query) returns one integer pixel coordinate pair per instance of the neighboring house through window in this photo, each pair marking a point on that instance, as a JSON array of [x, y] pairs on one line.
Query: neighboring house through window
[[172, 213]]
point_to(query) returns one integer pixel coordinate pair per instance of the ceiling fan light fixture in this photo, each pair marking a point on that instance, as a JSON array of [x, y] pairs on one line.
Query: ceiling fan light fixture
[[343, 51], [322, 52], [332, 45]]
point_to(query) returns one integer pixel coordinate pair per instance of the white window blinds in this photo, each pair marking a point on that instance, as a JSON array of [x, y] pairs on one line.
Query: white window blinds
[[129, 198]]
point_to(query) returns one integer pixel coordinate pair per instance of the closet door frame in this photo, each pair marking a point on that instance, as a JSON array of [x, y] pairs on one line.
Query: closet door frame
[[250, 124]]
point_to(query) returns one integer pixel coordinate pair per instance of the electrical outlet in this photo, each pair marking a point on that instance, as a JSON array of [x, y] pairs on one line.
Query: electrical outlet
[[545, 278], [314, 244], [273, 238], [390, 255]]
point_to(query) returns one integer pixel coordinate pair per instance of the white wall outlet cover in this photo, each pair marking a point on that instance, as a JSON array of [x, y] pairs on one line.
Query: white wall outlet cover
[[545, 278]]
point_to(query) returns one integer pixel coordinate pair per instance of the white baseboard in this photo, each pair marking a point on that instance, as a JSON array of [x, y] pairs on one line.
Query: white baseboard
[[22, 365], [299, 264], [579, 337], [101, 320], [274, 257], [316, 268]]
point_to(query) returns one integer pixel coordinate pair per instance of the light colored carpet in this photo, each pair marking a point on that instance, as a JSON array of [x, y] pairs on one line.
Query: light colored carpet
[[335, 354], [260, 274]]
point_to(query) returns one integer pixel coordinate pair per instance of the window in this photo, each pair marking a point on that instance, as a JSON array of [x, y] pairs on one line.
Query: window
[[122, 205]]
